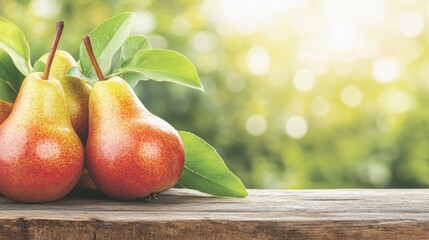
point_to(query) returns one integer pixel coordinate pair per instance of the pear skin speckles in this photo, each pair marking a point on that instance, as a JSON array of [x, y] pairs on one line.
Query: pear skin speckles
[[153, 162], [44, 169], [130, 152], [76, 91], [41, 156]]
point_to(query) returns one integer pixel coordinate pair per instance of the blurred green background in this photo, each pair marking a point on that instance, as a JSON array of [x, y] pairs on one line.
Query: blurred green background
[[299, 94]]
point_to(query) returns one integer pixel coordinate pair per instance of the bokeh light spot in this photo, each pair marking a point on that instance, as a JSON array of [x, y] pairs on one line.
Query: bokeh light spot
[[180, 25], [256, 125], [204, 42], [145, 22], [235, 83], [376, 173], [396, 101], [158, 41], [379, 174], [296, 127], [411, 24], [303, 80], [320, 106], [351, 96], [385, 70], [258, 61], [44, 8]]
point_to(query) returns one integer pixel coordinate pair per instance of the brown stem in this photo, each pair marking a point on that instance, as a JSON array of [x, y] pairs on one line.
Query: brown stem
[[59, 31], [88, 45]]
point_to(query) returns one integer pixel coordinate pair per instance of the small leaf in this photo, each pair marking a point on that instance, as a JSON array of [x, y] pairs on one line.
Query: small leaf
[[163, 65], [12, 40], [39, 66], [10, 78], [132, 78], [205, 170], [75, 72], [106, 40], [132, 45]]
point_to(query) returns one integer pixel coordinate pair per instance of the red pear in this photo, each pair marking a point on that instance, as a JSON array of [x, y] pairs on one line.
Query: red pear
[[41, 156], [130, 152]]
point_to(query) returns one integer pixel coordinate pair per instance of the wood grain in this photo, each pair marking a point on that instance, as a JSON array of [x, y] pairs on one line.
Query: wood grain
[[187, 214]]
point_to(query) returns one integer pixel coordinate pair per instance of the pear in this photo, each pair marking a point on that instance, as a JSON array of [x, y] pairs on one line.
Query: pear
[[5, 109], [130, 152], [76, 91], [77, 97], [41, 156]]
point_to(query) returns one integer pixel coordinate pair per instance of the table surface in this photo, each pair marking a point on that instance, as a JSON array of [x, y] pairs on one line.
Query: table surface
[[188, 214]]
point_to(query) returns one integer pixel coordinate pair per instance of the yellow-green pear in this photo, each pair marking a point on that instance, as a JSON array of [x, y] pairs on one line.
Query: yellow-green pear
[[76, 91]]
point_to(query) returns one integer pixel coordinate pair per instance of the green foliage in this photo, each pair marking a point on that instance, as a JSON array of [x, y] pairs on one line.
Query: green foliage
[[131, 46], [106, 40], [205, 170], [39, 65], [10, 78], [137, 61], [163, 65], [12, 40]]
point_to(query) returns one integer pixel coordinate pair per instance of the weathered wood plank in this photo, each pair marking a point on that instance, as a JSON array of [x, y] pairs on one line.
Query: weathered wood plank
[[186, 214]]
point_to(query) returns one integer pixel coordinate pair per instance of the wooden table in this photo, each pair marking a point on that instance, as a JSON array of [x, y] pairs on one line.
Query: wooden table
[[187, 214]]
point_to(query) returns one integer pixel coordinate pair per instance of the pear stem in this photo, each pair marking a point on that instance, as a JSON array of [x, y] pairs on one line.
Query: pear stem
[[59, 31], [88, 45]]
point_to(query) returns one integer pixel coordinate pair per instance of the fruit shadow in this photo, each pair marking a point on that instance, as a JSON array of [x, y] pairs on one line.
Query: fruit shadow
[[171, 196]]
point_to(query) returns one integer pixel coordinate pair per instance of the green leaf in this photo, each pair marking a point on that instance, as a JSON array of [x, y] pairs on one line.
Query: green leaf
[[163, 65], [132, 78], [39, 66], [132, 45], [106, 40], [10, 78], [12, 40], [75, 72], [205, 170]]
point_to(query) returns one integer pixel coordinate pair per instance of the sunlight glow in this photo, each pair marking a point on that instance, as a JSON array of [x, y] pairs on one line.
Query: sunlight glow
[[342, 36], [411, 24], [245, 17]]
